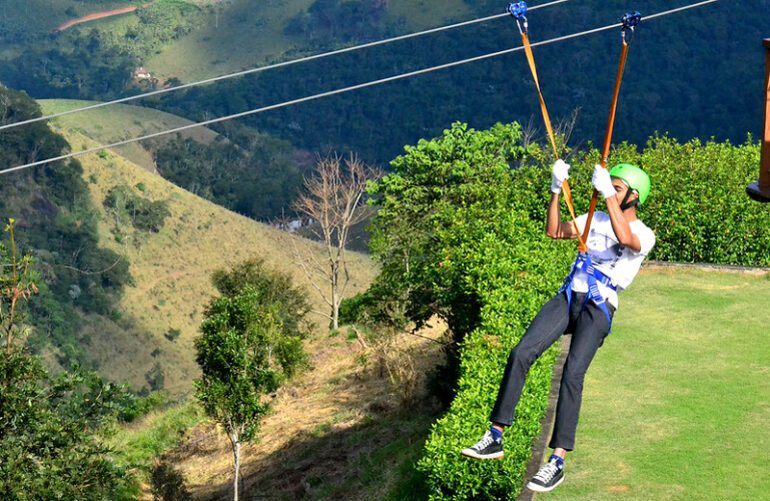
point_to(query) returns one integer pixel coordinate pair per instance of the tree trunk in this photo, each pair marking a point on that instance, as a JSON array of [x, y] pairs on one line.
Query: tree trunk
[[236, 467], [335, 300]]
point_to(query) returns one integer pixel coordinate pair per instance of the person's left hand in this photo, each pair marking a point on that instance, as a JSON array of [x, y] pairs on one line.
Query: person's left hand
[[603, 182]]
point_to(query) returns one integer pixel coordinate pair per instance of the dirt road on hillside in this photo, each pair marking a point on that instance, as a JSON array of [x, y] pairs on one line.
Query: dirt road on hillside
[[99, 15]]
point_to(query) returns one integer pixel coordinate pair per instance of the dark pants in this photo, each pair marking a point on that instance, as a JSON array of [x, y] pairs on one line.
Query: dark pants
[[588, 326]]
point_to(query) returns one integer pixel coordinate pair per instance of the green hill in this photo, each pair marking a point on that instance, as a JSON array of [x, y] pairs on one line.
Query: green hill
[[24, 19], [668, 84], [241, 34], [118, 122], [171, 270]]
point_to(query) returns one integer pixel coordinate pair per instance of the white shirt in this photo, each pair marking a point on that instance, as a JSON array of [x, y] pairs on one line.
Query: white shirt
[[619, 263]]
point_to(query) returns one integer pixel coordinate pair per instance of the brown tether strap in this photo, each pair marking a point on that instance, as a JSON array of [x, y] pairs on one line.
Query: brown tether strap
[[607, 139], [552, 137]]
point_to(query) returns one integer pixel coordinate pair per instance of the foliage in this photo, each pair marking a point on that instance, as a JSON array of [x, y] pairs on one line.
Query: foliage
[[380, 305], [17, 285], [288, 303], [251, 340], [74, 67], [253, 174], [699, 208], [159, 24], [49, 445], [235, 358], [84, 62], [49, 450], [327, 21], [460, 234], [167, 484], [143, 214]]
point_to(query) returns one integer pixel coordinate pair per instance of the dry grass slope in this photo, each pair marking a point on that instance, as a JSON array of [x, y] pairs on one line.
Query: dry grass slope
[[339, 431], [172, 272]]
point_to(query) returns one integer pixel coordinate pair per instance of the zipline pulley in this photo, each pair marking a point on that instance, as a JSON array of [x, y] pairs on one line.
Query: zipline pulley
[[519, 11], [630, 20]]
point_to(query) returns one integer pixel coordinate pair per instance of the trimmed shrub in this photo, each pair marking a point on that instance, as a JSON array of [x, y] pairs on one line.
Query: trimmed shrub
[[460, 233], [699, 208]]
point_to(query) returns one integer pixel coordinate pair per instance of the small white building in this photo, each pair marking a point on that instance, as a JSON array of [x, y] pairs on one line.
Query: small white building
[[142, 74]]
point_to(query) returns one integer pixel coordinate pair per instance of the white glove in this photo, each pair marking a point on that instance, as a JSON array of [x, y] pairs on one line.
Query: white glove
[[602, 182], [560, 171]]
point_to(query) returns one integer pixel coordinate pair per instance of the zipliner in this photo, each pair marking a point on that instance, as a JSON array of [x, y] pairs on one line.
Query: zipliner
[[618, 242]]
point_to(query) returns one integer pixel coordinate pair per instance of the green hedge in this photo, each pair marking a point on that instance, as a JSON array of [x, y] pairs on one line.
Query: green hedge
[[460, 232], [699, 208]]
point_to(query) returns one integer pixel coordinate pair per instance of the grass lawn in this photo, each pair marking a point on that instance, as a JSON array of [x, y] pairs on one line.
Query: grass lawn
[[677, 402]]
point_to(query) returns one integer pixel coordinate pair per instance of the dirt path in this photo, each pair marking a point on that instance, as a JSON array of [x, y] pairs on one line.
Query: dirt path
[[100, 15]]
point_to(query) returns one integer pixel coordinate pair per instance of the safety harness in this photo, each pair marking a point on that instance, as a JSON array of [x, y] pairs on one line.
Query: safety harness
[[583, 262], [595, 277]]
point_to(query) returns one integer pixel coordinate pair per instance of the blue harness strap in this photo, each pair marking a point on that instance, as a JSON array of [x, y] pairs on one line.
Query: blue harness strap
[[595, 277]]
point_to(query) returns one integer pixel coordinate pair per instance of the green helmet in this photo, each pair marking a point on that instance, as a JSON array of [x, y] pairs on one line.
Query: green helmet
[[635, 178]]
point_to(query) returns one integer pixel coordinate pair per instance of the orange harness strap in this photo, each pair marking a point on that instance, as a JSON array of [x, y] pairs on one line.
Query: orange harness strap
[[552, 137], [607, 137]]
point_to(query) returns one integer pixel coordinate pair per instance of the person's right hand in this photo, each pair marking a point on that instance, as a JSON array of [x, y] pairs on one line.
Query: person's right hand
[[560, 172]]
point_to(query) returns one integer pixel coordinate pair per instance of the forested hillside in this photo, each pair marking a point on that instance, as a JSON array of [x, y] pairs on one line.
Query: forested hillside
[[57, 222], [125, 256], [669, 87]]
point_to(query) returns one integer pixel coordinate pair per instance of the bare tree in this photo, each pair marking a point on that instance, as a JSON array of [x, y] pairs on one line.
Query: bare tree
[[333, 202]]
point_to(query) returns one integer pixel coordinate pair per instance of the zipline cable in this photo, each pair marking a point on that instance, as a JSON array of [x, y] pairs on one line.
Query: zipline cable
[[272, 66], [339, 91]]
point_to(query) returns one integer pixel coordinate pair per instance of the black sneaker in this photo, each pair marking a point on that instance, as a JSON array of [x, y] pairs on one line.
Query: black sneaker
[[486, 448], [547, 478]]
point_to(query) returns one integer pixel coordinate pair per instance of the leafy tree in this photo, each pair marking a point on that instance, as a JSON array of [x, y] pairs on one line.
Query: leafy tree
[[251, 340], [49, 447]]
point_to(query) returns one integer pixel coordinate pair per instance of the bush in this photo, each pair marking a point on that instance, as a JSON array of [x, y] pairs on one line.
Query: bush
[[172, 334], [167, 483], [460, 233], [699, 208], [144, 214]]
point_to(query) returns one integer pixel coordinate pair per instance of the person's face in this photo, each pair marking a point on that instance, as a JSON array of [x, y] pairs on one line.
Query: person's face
[[621, 189]]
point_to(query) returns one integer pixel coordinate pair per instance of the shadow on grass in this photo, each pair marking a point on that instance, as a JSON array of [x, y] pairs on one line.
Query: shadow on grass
[[374, 459]]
